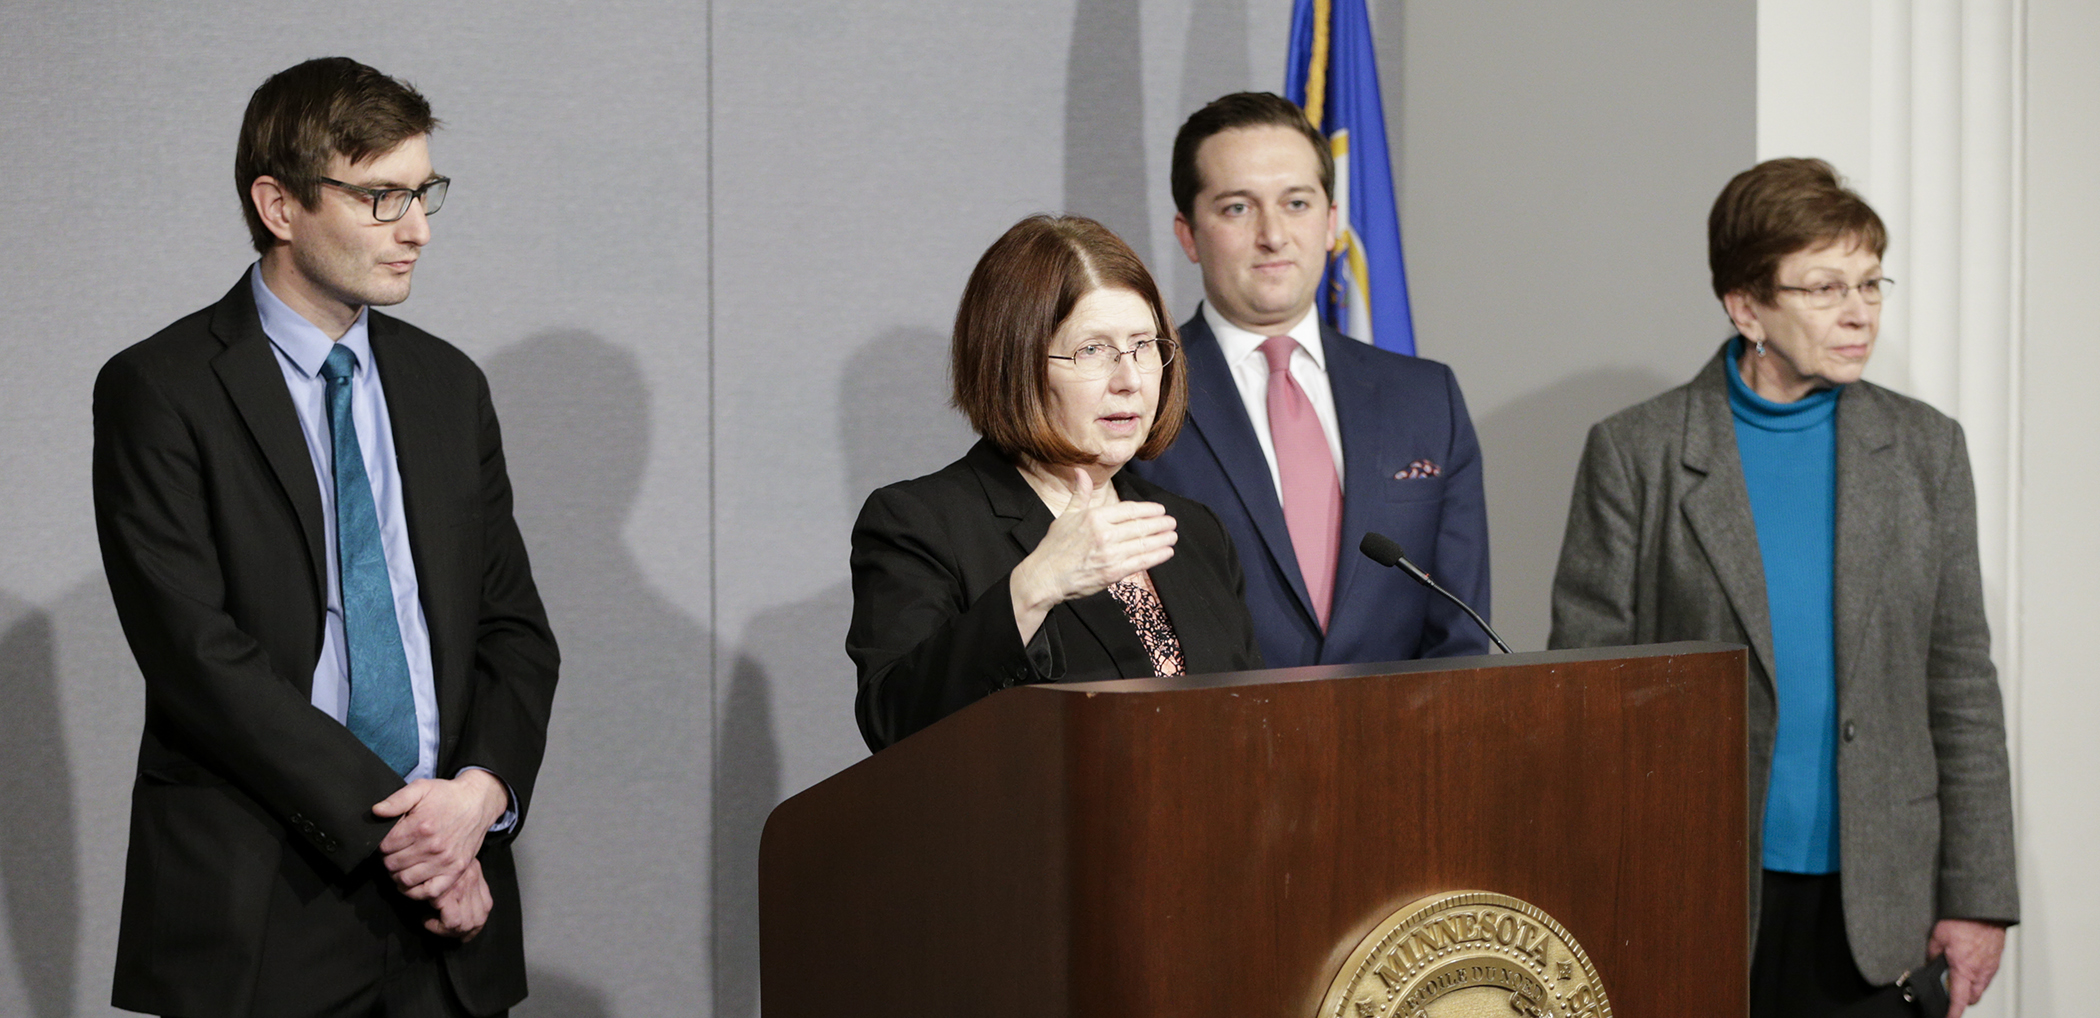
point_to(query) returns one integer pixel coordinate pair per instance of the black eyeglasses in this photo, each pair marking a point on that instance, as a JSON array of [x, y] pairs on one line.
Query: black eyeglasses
[[389, 204]]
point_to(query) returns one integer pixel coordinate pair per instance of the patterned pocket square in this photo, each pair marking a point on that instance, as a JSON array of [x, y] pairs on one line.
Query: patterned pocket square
[[1419, 469]]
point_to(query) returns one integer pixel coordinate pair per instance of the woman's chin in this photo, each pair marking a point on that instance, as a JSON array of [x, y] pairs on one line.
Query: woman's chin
[[1841, 373], [1115, 455], [1115, 444]]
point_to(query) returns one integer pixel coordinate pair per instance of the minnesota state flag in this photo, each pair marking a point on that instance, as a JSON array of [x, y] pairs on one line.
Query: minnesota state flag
[[1333, 76]]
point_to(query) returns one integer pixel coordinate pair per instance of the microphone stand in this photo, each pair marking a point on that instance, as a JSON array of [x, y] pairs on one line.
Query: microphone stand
[[1386, 552]]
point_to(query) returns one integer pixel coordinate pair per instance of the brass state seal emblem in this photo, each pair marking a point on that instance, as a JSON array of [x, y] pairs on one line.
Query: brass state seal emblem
[[1467, 954]]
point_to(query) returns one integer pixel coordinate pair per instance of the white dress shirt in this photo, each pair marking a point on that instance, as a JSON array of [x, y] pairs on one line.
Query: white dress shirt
[[1250, 372]]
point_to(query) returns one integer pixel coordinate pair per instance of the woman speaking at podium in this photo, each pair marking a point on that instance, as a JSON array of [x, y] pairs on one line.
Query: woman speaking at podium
[[1779, 501], [1035, 557]]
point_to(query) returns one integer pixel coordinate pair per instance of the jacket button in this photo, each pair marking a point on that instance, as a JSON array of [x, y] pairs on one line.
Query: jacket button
[[1851, 731]]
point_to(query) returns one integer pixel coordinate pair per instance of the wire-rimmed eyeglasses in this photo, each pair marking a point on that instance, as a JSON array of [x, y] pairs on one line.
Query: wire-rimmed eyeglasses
[[1830, 295], [1097, 359], [391, 203]]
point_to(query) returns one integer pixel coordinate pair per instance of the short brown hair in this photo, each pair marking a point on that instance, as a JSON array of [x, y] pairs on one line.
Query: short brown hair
[[1776, 208], [1022, 290], [1231, 113], [307, 114]]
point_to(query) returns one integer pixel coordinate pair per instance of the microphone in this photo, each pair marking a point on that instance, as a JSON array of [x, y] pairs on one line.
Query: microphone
[[1386, 552]]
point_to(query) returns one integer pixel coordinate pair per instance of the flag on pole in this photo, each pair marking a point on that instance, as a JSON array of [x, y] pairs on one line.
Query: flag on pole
[[1333, 77]]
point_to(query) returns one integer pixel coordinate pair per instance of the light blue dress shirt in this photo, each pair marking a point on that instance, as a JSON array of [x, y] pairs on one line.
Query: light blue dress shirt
[[301, 347]]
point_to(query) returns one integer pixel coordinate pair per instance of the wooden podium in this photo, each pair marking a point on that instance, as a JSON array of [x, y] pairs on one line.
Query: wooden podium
[[1216, 846]]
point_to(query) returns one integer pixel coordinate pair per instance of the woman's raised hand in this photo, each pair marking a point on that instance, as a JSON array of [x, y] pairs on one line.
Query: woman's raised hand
[[1085, 550]]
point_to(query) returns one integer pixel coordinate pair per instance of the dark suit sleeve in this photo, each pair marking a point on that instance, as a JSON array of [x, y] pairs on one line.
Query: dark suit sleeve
[[1461, 542], [1247, 655], [1593, 586], [209, 684], [926, 647], [515, 658], [1976, 875]]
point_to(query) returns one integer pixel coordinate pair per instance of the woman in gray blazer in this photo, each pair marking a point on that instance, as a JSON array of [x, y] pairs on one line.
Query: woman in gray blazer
[[1779, 501]]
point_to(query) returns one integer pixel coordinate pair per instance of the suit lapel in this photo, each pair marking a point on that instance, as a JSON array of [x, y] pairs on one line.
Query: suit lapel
[[1365, 429], [1717, 507], [1103, 617], [1867, 483], [1190, 610], [417, 413], [248, 369], [1013, 500], [1219, 418]]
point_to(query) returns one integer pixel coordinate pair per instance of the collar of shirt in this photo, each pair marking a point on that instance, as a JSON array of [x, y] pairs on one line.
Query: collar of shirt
[[302, 342], [1250, 375], [1238, 344], [300, 348]]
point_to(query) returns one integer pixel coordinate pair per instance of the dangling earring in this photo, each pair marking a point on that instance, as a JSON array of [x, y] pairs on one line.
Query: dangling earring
[[1760, 348]]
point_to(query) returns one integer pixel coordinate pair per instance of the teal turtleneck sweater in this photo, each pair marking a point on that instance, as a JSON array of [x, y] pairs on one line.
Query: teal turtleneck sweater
[[1789, 454]]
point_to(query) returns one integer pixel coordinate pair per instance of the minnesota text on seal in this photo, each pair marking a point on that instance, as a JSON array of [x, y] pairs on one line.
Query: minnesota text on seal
[[1467, 954]]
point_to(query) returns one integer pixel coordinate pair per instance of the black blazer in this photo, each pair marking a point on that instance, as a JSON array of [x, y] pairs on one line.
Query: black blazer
[[933, 624], [211, 529]]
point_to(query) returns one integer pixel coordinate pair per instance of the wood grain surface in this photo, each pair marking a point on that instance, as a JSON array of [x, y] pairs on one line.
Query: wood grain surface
[[1217, 845]]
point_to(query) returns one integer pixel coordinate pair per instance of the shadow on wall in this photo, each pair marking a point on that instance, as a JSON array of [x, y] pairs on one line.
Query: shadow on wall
[[65, 793], [1530, 448], [894, 419], [556, 995], [38, 860], [1215, 60], [1213, 63], [613, 877], [1105, 121], [747, 788], [894, 423]]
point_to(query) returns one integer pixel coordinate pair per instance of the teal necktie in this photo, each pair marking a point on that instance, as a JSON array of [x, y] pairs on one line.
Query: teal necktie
[[382, 706]]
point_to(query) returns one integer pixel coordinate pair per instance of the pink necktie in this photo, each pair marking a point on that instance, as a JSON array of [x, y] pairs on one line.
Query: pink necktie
[[1312, 496]]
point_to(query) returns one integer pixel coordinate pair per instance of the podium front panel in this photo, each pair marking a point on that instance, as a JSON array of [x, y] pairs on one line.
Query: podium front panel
[[1219, 845]]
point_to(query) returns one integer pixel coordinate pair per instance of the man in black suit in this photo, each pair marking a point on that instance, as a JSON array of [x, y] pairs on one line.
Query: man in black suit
[[306, 526]]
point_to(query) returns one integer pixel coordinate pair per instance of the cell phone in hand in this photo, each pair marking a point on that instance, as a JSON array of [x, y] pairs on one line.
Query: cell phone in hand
[[1928, 987]]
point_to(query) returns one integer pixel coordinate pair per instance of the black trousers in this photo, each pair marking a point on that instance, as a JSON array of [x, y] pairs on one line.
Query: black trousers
[[1803, 966], [350, 948]]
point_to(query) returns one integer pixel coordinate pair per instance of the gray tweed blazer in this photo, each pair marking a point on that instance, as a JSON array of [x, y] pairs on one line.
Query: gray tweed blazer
[[1660, 547]]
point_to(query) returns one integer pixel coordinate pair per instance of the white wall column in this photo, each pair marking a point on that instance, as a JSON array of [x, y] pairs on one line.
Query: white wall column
[[2059, 574]]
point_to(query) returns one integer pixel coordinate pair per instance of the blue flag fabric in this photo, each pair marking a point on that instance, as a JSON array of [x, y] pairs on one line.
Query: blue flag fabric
[[1333, 76]]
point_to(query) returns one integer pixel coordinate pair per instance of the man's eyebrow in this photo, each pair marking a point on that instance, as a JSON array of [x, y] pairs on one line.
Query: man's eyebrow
[[1249, 192], [377, 185]]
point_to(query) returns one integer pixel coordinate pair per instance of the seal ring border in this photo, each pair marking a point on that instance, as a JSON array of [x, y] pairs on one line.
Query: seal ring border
[[1334, 1002]]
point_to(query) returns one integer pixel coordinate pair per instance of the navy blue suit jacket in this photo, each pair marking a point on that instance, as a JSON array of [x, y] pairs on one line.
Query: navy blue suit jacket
[[1393, 411]]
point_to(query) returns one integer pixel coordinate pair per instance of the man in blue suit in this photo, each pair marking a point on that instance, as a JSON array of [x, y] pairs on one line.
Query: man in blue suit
[[1301, 439]]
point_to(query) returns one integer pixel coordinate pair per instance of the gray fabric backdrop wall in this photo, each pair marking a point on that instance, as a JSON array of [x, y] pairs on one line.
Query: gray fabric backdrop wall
[[708, 255]]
